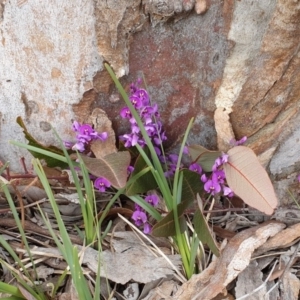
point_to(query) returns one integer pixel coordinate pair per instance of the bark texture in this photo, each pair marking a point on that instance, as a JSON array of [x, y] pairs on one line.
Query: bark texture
[[241, 57]]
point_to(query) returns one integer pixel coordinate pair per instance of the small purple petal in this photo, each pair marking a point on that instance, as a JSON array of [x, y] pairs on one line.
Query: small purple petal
[[195, 168], [147, 228], [102, 184], [136, 101], [139, 217], [203, 178], [212, 187], [125, 113], [79, 146], [173, 158], [241, 141], [152, 199], [130, 169], [68, 145], [86, 129], [75, 126], [227, 191], [224, 158], [185, 150]]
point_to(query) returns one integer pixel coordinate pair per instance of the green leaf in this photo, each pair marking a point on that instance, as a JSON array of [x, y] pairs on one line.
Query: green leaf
[[204, 232], [112, 166], [11, 289], [191, 186], [249, 180], [166, 227], [203, 156], [51, 162], [144, 183]]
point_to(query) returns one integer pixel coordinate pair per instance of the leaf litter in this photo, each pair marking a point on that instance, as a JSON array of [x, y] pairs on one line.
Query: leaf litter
[[257, 261]]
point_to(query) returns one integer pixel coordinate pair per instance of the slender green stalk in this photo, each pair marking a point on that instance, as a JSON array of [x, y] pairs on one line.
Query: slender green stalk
[[162, 181], [66, 247], [171, 197]]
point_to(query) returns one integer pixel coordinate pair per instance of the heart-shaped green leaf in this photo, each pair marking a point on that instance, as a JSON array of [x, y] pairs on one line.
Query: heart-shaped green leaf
[[112, 166], [51, 162], [144, 183], [191, 185], [166, 226], [204, 232], [203, 156], [249, 180]]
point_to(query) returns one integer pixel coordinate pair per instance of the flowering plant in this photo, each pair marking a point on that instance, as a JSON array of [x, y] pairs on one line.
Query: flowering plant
[[159, 183]]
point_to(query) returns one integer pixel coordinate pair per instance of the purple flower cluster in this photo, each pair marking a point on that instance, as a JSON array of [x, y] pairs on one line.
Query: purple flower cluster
[[149, 116], [84, 135], [216, 182], [140, 216]]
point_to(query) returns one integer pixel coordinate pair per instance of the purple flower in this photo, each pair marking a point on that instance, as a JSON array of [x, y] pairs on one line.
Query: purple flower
[[204, 178], [212, 185], [79, 146], [298, 177], [99, 136], [227, 191], [85, 134], [186, 150], [195, 168], [76, 126], [85, 129], [139, 217], [101, 184], [130, 169], [136, 101], [143, 95], [125, 113], [68, 145], [224, 158], [173, 158], [220, 175], [152, 199]]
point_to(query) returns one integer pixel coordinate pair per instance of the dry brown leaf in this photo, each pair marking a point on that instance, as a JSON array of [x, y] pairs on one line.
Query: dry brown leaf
[[283, 239], [249, 280], [289, 287], [134, 262], [284, 263], [164, 291], [233, 260], [249, 180], [102, 123], [224, 129]]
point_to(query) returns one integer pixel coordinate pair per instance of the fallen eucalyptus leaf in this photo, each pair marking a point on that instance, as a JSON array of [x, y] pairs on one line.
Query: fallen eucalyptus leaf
[[249, 180], [113, 167]]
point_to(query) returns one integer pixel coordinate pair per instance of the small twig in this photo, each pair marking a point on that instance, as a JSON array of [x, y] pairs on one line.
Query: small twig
[[22, 159], [180, 276], [28, 225]]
